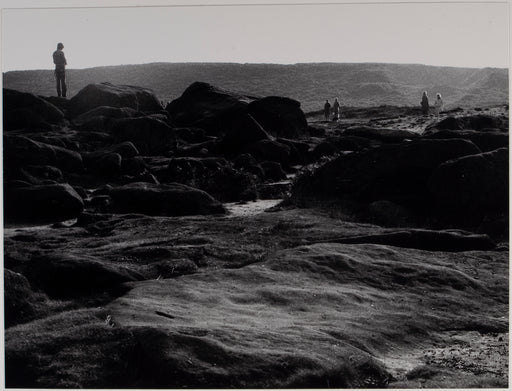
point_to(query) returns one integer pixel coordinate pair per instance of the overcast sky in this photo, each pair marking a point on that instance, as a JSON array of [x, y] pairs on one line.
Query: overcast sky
[[441, 33]]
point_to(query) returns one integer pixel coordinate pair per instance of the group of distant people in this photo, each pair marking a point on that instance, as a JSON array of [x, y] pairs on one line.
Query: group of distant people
[[425, 106], [334, 109]]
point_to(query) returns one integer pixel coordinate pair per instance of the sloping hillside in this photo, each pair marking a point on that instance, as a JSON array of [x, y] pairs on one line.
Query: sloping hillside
[[354, 84]]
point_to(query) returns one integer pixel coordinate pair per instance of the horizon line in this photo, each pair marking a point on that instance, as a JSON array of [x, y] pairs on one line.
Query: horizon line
[[264, 63]]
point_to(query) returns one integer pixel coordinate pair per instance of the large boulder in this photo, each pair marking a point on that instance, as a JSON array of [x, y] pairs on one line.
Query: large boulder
[[475, 122], [163, 200], [102, 118], [24, 110], [486, 141], [41, 203], [280, 116], [107, 94], [205, 106], [69, 275], [150, 135], [392, 171], [20, 151], [476, 183]]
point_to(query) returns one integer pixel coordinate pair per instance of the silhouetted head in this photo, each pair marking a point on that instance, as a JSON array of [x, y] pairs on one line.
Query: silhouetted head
[[424, 93], [60, 46], [438, 96]]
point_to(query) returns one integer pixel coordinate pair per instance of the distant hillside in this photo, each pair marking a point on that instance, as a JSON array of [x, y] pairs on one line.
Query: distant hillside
[[354, 84]]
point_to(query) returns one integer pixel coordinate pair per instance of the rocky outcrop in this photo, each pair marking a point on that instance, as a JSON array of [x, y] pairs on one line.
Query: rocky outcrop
[[163, 200], [107, 94], [474, 184], [20, 151], [485, 140], [24, 110], [102, 118], [381, 134], [151, 136], [475, 122], [41, 203], [69, 275], [391, 171], [281, 117], [205, 106]]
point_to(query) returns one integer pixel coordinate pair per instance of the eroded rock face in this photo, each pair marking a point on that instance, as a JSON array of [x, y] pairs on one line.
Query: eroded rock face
[[102, 118], [22, 110], [475, 183], [163, 200], [107, 94], [54, 202]]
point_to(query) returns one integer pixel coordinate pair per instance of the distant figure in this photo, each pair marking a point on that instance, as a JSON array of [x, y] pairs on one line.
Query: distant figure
[[60, 70], [424, 103], [327, 109], [336, 109], [438, 106]]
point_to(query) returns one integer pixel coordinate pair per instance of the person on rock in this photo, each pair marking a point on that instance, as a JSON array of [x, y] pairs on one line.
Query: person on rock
[[336, 109], [327, 109], [438, 105], [424, 103], [60, 70]]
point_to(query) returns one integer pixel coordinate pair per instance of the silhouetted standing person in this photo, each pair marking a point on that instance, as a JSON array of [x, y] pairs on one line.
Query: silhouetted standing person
[[424, 103], [60, 70], [336, 109], [327, 109], [438, 105]]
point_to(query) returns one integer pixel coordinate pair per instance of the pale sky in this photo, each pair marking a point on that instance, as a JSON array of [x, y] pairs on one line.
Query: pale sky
[[454, 34]]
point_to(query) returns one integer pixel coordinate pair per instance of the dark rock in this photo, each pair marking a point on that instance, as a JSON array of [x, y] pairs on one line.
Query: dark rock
[[241, 132], [107, 94], [20, 151], [298, 150], [273, 171], [476, 184], [21, 303], [272, 151], [391, 171], [385, 212], [149, 135], [24, 110], [248, 163], [273, 191], [316, 131], [69, 275], [102, 118], [475, 122], [59, 102], [333, 145], [190, 135], [485, 140], [103, 163], [163, 200], [41, 203], [199, 150], [381, 134], [126, 150], [205, 106], [281, 117], [133, 166], [43, 172], [446, 240]]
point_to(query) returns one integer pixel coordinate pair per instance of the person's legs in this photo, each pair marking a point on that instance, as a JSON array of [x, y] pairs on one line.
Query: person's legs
[[63, 81], [57, 79]]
